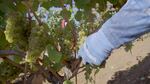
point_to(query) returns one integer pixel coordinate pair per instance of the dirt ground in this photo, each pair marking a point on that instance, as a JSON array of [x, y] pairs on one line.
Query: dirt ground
[[124, 67]]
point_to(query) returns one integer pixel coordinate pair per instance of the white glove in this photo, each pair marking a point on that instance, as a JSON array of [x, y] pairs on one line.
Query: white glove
[[95, 49]]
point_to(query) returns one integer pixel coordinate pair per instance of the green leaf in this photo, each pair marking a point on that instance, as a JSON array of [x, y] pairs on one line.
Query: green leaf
[[46, 61], [52, 3], [79, 15], [68, 1], [128, 47], [2, 21], [67, 82], [96, 71], [3, 42], [53, 54], [88, 72], [21, 7], [65, 13], [57, 66], [35, 5], [6, 6], [82, 3], [46, 5], [17, 59]]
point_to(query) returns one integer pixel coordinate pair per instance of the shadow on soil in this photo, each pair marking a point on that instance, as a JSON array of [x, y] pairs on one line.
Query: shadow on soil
[[137, 74]]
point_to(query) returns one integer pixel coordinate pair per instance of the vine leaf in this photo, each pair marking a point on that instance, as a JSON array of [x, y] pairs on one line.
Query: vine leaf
[[128, 47], [67, 82], [53, 54]]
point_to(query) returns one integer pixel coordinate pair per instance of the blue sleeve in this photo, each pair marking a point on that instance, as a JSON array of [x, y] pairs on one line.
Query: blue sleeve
[[132, 21]]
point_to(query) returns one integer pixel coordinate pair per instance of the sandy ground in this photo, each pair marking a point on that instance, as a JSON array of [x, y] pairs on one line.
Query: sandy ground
[[120, 60]]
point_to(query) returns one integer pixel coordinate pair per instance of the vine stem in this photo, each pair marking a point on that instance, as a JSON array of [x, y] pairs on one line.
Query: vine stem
[[39, 21], [81, 71], [73, 46], [76, 79], [25, 73], [55, 74], [32, 11], [52, 71], [4, 53], [76, 70], [74, 35], [26, 64]]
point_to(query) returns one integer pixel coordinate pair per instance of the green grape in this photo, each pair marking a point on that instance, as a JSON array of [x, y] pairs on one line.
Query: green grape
[[38, 41], [15, 31], [82, 37]]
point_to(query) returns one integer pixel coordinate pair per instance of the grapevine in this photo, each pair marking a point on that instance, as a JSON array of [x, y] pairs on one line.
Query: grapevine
[[48, 34]]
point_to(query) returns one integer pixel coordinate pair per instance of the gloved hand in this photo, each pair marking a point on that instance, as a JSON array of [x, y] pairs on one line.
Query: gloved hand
[[121, 28], [95, 49]]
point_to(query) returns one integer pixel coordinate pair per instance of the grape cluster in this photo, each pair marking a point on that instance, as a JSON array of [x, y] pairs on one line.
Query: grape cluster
[[81, 38], [38, 41], [15, 31]]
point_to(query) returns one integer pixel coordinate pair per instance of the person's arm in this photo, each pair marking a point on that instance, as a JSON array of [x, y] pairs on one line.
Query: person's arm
[[132, 21]]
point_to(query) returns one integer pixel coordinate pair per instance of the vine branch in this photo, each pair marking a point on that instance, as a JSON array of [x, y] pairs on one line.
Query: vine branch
[[4, 53], [13, 63], [32, 11]]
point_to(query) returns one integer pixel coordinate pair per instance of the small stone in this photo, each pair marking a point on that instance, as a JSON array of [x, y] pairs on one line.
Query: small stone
[[112, 67], [1, 60], [148, 77], [142, 78], [128, 80]]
